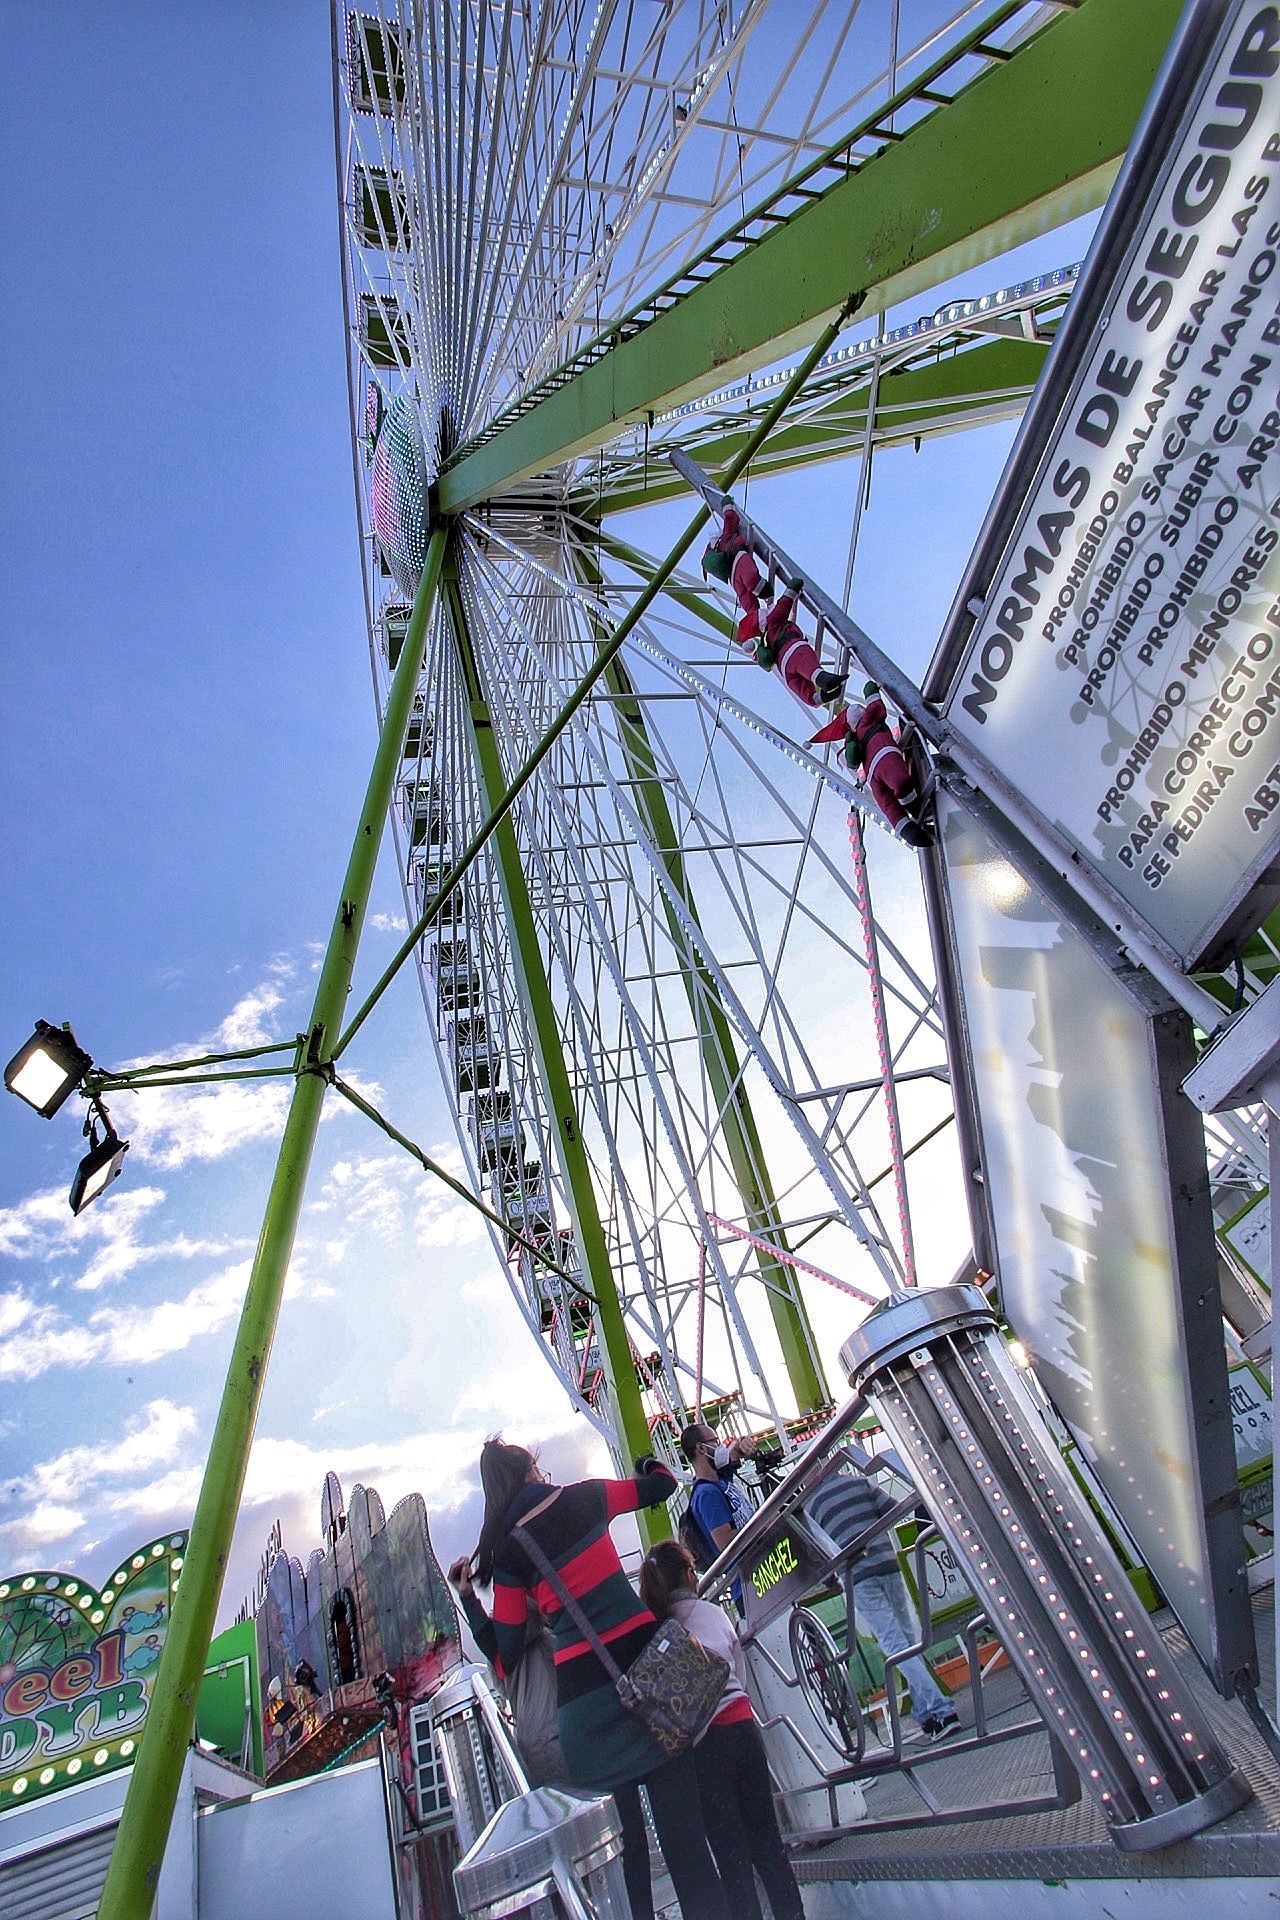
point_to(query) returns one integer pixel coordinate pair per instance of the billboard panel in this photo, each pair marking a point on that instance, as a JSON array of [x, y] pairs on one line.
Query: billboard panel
[[1095, 1176], [1115, 649], [77, 1667]]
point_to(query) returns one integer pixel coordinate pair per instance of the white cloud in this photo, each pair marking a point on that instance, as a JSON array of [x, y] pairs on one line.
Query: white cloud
[[249, 1022], [388, 923], [42, 1227], [169, 1500], [152, 1438], [442, 1220], [39, 1338], [24, 1229], [41, 1527], [170, 1126], [369, 1194]]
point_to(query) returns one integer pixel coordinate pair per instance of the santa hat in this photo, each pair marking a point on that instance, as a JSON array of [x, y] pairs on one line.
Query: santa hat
[[834, 730]]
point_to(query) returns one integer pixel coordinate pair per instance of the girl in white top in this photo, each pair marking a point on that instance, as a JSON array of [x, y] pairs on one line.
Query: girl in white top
[[733, 1773]]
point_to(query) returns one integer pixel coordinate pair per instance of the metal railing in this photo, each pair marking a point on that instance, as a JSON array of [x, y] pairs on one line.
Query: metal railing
[[820, 1667]]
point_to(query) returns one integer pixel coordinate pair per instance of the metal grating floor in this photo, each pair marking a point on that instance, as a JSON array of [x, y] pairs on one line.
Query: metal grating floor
[[1071, 1842]]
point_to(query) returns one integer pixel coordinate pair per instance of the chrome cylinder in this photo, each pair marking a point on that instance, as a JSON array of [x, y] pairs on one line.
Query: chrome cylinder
[[937, 1373]]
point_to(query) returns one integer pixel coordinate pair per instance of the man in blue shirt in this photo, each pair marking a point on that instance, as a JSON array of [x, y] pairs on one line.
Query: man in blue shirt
[[717, 1503]]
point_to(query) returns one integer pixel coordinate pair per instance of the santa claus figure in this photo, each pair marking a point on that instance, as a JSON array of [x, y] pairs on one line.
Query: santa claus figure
[[730, 558], [786, 648], [871, 748]]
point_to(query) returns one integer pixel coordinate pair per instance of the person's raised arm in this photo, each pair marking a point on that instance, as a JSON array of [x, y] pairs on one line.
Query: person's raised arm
[[477, 1619], [653, 1483]]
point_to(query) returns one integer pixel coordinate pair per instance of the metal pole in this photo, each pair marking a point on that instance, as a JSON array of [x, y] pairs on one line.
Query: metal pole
[[563, 1115], [1014, 818], [134, 1872]]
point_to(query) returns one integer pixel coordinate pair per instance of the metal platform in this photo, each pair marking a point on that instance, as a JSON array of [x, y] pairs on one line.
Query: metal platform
[[1068, 1844]]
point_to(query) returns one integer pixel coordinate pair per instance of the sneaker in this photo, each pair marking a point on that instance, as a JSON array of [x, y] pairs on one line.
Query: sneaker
[[828, 686], [939, 1726]]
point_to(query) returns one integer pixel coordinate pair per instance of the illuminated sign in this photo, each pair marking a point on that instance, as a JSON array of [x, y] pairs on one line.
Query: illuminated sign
[[77, 1668], [1115, 648], [783, 1566]]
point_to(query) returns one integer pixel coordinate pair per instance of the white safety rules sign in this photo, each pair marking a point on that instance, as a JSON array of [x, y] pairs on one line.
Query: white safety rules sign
[[1124, 670]]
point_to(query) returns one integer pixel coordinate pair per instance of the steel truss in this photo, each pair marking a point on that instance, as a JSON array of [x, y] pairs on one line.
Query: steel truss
[[648, 995]]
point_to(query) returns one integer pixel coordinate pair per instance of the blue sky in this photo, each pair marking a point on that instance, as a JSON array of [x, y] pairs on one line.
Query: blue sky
[[186, 737]]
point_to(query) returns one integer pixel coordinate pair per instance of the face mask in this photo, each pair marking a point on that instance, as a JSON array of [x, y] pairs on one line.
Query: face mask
[[722, 1458]]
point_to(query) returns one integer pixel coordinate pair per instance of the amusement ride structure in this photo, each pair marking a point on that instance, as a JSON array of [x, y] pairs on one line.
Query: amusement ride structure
[[693, 1054], [606, 267]]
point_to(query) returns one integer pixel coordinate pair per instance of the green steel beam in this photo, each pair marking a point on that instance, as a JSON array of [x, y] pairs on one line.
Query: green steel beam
[[535, 991], [718, 1048], [992, 381], [1034, 141], [134, 1870]]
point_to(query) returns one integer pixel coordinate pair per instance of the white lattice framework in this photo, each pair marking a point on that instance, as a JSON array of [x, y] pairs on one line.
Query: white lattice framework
[[516, 177]]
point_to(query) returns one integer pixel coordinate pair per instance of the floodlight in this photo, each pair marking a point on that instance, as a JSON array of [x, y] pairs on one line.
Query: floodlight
[[47, 1071], [100, 1166]]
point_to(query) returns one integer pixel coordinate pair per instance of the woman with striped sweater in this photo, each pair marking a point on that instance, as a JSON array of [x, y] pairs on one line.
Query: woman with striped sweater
[[606, 1749]]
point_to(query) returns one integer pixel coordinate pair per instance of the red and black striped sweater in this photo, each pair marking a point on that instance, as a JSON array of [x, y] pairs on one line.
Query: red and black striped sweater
[[603, 1744]]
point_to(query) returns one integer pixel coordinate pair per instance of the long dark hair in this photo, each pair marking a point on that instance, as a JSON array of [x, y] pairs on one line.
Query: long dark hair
[[665, 1572], [503, 1471]]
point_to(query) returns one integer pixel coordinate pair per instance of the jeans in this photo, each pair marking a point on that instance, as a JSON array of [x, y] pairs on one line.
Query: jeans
[[742, 1826], [884, 1608], [677, 1816]]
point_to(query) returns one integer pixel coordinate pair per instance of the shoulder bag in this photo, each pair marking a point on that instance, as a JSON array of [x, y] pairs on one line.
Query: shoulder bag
[[673, 1685]]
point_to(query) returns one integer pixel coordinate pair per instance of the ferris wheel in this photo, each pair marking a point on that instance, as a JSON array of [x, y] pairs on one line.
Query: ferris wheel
[[678, 999]]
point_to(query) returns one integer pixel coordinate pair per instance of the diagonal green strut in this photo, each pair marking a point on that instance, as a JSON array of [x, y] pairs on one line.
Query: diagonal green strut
[[716, 1042], [531, 973], [134, 1870]]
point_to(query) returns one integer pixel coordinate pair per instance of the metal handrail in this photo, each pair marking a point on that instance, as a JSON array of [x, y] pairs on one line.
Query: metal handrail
[[790, 1493], [787, 1494]]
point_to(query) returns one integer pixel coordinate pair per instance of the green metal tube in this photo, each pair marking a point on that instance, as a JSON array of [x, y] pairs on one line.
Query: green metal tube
[[127, 1075], [609, 651], [134, 1872], [109, 1083], [428, 1165], [563, 1117]]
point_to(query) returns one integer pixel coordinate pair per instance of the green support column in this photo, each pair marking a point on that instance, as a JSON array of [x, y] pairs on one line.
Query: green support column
[[624, 1390], [716, 1043], [134, 1871]]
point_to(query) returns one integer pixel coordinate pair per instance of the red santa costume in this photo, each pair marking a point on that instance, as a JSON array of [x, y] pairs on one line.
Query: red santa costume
[[789, 651], [871, 748], [743, 575]]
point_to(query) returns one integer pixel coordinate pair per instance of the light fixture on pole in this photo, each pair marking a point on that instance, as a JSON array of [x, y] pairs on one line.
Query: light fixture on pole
[[103, 1162], [48, 1069]]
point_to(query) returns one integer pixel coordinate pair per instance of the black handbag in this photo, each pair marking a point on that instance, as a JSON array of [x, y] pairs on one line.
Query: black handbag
[[673, 1685]]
